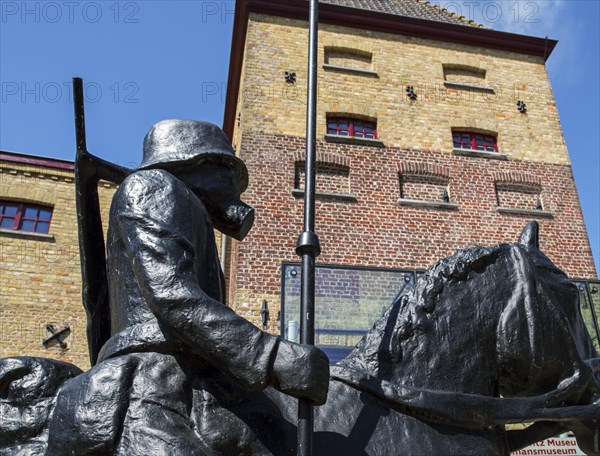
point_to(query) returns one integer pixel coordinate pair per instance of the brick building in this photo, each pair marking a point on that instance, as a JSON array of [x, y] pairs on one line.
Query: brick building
[[40, 276], [422, 149]]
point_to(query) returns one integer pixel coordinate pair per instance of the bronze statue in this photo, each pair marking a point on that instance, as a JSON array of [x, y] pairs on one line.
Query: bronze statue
[[170, 329]]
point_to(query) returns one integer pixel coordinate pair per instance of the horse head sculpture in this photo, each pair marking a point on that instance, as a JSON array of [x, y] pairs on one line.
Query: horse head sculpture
[[480, 324]]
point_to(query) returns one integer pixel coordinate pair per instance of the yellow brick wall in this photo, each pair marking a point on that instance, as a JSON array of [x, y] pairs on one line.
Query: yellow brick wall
[[275, 45], [40, 277]]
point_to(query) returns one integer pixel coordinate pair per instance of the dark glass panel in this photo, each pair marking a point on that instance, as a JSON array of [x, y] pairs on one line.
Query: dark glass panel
[[45, 214], [42, 227], [27, 225], [7, 223], [10, 210], [30, 213]]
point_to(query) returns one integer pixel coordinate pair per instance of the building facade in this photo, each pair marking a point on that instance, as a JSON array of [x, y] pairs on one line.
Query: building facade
[[433, 134]]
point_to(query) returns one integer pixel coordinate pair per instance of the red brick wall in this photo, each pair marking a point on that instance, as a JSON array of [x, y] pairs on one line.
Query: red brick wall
[[376, 231]]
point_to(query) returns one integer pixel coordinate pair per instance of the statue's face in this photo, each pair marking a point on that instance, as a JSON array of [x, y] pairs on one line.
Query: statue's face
[[218, 187]]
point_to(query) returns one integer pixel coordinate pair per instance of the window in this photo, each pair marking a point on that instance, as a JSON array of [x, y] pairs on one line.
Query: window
[[25, 217], [356, 128], [474, 141], [348, 301]]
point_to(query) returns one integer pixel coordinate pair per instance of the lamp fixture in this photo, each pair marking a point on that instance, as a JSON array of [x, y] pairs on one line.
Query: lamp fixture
[[522, 107]]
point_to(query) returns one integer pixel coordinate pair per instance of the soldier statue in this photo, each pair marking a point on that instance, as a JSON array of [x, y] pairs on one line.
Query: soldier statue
[[171, 335]]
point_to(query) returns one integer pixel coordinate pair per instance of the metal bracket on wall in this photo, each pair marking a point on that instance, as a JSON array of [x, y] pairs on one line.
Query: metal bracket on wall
[[57, 337], [290, 77]]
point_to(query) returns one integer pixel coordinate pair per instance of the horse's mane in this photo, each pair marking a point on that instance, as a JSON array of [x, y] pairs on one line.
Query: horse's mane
[[379, 348]]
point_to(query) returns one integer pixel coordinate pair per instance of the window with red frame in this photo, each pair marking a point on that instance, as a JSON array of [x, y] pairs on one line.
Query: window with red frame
[[25, 217], [474, 141], [340, 126]]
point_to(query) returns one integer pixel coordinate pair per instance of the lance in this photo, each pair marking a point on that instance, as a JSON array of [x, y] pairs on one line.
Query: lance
[[89, 169], [308, 242]]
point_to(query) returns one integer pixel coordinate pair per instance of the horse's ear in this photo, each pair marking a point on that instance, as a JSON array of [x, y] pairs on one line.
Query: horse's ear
[[531, 235]]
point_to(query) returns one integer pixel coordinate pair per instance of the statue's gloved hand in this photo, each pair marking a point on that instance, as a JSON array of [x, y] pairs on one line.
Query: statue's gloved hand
[[301, 371]]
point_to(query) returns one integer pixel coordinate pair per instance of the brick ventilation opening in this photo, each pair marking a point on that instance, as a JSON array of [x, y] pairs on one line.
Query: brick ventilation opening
[[464, 75], [518, 196], [423, 188], [331, 178], [348, 58]]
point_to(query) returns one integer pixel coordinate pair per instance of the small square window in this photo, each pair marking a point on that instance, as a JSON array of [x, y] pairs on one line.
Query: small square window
[[474, 141], [352, 127]]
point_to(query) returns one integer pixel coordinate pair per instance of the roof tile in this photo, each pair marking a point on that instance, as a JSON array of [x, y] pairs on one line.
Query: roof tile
[[421, 9]]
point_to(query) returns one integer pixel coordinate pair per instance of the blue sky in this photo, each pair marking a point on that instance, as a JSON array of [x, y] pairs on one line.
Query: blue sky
[[144, 61]]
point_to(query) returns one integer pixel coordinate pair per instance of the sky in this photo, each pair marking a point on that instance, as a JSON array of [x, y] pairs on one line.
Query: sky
[[143, 61]]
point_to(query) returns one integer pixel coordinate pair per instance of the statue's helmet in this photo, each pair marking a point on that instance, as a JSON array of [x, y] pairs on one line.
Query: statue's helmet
[[177, 143]]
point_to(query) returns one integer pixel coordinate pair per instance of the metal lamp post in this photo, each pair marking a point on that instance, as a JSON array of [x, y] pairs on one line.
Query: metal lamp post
[[308, 243]]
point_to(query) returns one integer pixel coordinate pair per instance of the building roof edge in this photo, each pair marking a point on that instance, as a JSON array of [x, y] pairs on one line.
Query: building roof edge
[[38, 160]]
